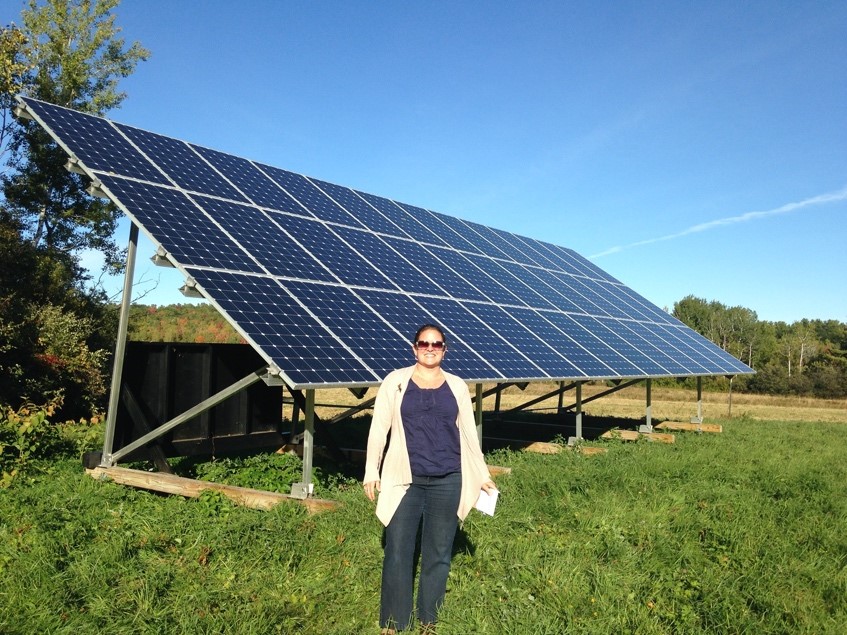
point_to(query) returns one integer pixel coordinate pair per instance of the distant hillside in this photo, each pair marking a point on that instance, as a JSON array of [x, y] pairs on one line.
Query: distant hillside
[[180, 323]]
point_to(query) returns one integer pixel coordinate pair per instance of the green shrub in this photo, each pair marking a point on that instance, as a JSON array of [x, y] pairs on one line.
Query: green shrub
[[26, 435], [270, 472]]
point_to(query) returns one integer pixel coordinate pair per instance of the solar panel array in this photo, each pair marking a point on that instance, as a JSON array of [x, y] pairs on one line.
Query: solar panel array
[[329, 284]]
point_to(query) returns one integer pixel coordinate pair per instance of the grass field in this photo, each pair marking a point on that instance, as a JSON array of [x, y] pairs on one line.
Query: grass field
[[739, 532]]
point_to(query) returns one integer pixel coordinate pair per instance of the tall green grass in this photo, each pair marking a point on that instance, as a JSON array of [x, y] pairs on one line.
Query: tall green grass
[[739, 532]]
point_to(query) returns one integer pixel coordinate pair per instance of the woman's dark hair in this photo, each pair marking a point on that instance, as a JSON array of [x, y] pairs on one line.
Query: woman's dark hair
[[427, 327]]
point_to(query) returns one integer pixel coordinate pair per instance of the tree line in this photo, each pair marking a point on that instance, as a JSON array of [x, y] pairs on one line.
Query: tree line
[[199, 323], [807, 357]]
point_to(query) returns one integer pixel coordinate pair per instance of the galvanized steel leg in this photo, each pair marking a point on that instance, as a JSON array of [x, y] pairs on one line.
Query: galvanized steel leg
[[699, 417], [648, 411], [305, 488], [478, 413], [578, 411], [120, 350]]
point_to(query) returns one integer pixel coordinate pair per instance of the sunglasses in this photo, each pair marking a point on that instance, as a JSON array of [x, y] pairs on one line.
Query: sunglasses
[[436, 346]]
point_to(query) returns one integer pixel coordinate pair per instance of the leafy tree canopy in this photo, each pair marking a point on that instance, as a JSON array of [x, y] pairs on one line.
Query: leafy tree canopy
[[70, 53]]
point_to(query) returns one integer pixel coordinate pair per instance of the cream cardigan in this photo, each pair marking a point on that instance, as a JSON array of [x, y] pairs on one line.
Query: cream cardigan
[[396, 469]]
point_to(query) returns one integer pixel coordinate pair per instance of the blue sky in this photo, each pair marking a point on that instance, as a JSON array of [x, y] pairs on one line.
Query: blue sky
[[685, 147]]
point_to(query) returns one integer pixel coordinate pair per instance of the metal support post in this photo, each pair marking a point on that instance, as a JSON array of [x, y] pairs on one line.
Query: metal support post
[[304, 489], [120, 350], [575, 439], [648, 411], [699, 417], [478, 413], [497, 398], [562, 396]]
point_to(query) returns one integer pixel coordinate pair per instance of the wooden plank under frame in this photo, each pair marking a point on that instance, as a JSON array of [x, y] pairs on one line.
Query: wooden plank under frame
[[170, 484], [690, 427], [634, 435]]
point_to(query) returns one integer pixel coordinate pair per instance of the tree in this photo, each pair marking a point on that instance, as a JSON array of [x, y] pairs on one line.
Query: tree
[[54, 329], [68, 52]]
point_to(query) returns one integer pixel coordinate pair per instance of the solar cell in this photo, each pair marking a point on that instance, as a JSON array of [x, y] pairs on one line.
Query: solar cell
[[181, 163], [397, 215], [280, 254], [610, 357], [330, 283], [365, 213], [97, 143], [172, 219], [259, 188], [310, 197], [294, 339]]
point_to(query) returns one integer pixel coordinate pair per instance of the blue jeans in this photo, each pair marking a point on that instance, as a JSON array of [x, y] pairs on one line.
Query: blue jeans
[[431, 503]]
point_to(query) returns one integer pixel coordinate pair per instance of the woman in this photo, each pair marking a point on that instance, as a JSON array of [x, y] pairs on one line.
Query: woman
[[432, 473]]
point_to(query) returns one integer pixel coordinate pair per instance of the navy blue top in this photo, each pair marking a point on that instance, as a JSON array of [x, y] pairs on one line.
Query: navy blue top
[[432, 436]]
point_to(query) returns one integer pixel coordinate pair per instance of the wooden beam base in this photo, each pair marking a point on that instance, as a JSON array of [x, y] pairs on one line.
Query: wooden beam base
[[634, 435], [170, 484], [540, 447], [690, 427]]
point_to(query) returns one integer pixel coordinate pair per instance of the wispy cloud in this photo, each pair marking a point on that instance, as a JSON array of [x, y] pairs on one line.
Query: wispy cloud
[[831, 197]]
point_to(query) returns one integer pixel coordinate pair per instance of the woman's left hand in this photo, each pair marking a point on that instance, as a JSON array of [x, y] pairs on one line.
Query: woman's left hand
[[489, 487]]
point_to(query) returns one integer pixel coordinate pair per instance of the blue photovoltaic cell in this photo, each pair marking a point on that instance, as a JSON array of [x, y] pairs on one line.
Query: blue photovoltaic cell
[[622, 330], [501, 244], [397, 215], [593, 270], [581, 264], [637, 356], [366, 214], [589, 288], [584, 364], [488, 286], [562, 264], [514, 284], [511, 330], [388, 261], [655, 313], [330, 283], [256, 185], [177, 224], [97, 144], [629, 306], [488, 344], [181, 163], [278, 253], [721, 359], [566, 299], [673, 360], [519, 250], [362, 330], [310, 197], [533, 277], [614, 360], [432, 229], [441, 224], [529, 246], [325, 246], [286, 332], [440, 274], [675, 347]]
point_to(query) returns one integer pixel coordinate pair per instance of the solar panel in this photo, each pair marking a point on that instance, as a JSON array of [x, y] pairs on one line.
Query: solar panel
[[328, 283]]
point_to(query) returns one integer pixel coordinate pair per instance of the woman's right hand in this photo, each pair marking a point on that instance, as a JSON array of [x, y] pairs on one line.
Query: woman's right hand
[[371, 488]]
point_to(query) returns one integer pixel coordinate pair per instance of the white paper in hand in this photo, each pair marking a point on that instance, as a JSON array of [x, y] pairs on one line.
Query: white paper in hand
[[487, 502]]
